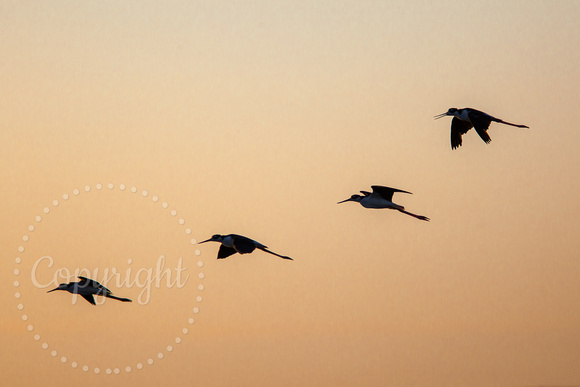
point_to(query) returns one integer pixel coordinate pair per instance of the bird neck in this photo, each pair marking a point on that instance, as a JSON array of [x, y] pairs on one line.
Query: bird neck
[[462, 114], [227, 241]]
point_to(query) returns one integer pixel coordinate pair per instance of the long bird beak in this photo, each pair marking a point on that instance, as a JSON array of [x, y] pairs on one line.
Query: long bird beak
[[347, 200], [52, 290], [440, 116], [208, 240]]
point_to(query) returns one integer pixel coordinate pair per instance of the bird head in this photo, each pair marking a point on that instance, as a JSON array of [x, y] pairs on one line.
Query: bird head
[[353, 198], [214, 238], [60, 287], [450, 112]]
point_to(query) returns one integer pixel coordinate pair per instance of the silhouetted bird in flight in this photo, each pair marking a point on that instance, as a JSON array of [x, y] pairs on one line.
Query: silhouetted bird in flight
[[381, 197], [233, 243], [467, 118], [87, 288]]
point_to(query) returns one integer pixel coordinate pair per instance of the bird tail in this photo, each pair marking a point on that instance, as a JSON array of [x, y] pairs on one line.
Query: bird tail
[[415, 216], [118, 298], [509, 123], [278, 255]]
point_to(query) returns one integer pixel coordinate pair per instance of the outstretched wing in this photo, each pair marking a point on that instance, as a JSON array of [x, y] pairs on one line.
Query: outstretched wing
[[225, 251], [89, 298], [244, 245], [481, 121], [458, 129], [386, 192]]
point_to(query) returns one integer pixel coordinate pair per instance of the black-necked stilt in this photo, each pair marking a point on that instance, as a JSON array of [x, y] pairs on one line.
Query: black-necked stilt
[[467, 118], [381, 197], [86, 288], [233, 243]]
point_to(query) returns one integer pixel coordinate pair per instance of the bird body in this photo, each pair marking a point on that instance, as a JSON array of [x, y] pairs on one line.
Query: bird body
[[381, 197], [233, 243], [374, 200], [87, 288], [467, 118]]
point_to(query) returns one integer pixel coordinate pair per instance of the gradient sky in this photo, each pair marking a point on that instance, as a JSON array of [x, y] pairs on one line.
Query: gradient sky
[[257, 117]]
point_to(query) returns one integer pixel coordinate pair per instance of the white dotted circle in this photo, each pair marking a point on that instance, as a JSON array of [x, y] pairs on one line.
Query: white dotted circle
[[30, 327]]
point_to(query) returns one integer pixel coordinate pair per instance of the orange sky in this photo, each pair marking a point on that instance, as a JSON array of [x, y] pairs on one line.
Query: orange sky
[[256, 118]]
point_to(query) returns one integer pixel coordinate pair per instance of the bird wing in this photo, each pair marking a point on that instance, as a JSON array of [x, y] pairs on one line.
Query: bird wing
[[89, 298], [244, 245], [481, 121], [366, 193], [86, 282], [385, 192], [458, 128], [225, 251]]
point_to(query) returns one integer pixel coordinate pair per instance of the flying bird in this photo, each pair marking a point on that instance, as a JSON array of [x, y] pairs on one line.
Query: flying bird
[[467, 118], [381, 197], [232, 243], [86, 288]]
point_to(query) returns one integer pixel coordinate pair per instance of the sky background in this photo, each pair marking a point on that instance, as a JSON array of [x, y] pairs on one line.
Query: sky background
[[256, 118]]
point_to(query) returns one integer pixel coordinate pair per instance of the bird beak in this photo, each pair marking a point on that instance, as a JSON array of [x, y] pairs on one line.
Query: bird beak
[[52, 290], [347, 200], [208, 240], [440, 116]]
